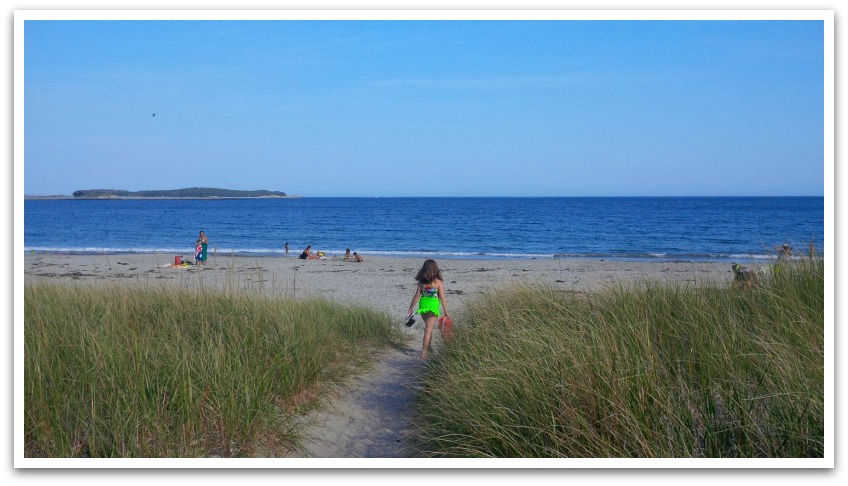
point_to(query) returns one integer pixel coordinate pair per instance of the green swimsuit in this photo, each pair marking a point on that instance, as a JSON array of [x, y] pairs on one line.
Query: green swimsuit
[[429, 300]]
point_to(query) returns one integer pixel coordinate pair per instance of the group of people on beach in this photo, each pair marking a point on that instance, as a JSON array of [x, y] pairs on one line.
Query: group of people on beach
[[429, 291], [200, 248], [307, 254], [429, 294], [202, 244], [746, 277]]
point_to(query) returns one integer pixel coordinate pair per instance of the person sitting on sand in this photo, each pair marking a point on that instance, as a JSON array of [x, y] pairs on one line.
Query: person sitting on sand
[[743, 277], [784, 253], [347, 256], [357, 257], [308, 255], [306, 252]]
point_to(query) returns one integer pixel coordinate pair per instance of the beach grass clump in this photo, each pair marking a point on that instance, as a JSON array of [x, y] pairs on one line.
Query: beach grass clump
[[650, 371], [120, 371]]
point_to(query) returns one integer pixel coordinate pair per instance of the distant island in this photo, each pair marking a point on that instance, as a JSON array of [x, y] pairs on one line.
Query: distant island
[[188, 193]]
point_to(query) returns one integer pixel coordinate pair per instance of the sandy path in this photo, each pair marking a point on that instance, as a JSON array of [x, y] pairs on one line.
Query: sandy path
[[371, 415]]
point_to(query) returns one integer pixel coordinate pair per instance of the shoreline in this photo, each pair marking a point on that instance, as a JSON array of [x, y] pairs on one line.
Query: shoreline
[[386, 283], [746, 259]]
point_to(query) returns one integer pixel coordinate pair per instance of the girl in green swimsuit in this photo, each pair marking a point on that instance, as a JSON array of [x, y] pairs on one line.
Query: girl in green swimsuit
[[429, 293]]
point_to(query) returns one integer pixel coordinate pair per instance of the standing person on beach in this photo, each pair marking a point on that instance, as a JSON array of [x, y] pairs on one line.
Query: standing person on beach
[[287, 248], [204, 244], [429, 293]]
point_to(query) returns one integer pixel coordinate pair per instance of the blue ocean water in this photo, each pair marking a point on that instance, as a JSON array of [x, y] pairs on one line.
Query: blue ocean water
[[667, 228]]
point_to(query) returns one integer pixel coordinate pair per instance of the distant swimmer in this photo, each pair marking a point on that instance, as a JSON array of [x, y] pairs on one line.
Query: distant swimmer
[[154, 114]]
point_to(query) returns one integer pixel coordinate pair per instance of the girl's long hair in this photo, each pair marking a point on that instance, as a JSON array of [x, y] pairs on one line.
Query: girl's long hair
[[429, 272]]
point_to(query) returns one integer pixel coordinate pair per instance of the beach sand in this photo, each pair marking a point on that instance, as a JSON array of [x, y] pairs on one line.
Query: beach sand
[[370, 415], [378, 282]]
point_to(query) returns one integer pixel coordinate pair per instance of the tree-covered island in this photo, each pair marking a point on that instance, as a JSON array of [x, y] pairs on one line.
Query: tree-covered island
[[190, 192]]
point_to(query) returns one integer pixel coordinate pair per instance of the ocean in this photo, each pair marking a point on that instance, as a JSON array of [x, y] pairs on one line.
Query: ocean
[[642, 228]]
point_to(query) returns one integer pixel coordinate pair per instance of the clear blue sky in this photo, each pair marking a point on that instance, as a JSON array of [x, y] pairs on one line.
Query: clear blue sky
[[426, 108]]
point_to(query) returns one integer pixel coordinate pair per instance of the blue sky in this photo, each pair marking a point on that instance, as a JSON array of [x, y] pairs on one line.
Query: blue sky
[[427, 108]]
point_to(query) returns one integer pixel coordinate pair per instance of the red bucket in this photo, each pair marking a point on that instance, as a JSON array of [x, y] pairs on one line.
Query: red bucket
[[178, 260], [446, 327]]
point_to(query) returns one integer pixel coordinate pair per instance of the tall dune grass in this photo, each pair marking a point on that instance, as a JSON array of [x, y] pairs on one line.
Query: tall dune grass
[[120, 371], [650, 371]]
